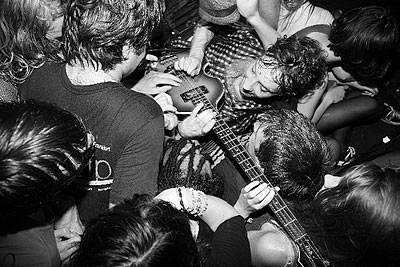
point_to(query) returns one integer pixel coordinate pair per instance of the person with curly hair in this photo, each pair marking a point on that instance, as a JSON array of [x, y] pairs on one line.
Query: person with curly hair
[[29, 37], [361, 45]]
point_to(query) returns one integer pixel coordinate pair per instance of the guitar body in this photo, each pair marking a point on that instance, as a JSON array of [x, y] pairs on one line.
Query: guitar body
[[212, 88]]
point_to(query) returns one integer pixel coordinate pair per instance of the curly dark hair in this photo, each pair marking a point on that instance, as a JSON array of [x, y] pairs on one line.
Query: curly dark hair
[[97, 30], [138, 232], [293, 154], [299, 64], [367, 40]]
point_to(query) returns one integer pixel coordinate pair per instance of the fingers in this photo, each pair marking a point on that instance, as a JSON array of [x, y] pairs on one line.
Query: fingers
[[67, 247], [64, 233], [164, 78], [191, 65], [259, 194], [197, 124], [196, 110]]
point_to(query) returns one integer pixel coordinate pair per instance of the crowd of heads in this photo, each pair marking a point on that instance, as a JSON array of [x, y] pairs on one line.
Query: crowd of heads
[[43, 148]]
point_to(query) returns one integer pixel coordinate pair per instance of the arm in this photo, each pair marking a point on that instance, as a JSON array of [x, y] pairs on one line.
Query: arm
[[344, 77], [156, 82], [334, 94], [270, 10], [308, 104], [250, 10], [197, 124], [217, 210], [192, 64], [253, 197]]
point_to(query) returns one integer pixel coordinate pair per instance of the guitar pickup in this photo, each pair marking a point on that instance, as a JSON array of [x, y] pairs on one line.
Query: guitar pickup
[[193, 93]]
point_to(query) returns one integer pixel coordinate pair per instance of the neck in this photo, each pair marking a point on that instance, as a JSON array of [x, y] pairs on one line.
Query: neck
[[87, 74]]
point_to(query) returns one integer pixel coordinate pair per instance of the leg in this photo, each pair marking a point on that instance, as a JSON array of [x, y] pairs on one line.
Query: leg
[[347, 112]]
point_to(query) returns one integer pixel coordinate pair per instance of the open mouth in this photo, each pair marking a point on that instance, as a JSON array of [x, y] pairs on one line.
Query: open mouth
[[245, 94]]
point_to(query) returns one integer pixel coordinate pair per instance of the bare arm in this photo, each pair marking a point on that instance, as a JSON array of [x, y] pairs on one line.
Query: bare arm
[[334, 94], [308, 104], [250, 10], [192, 64], [217, 212]]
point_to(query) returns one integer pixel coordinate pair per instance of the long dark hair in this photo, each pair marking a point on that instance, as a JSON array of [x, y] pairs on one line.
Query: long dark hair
[[357, 223], [139, 232]]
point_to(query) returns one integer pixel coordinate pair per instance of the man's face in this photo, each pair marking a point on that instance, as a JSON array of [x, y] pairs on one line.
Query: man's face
[[256, 82]]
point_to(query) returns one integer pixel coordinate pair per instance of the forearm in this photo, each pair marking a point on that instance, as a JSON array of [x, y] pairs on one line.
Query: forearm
[[201, 38], [267, 34], [212, 210], [322, 107]]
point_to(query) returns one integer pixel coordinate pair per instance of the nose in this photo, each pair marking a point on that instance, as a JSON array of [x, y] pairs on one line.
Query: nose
[[249, 82]]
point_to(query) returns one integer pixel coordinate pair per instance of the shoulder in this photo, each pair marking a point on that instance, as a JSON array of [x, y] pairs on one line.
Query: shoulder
[[273, 248], [139, 103]]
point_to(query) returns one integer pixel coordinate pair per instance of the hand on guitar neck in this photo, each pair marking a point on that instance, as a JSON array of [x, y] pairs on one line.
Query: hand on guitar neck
[[197, 124]]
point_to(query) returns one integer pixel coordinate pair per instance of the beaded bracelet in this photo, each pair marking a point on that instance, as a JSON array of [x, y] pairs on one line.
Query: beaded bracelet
[[179, 189], [199, 202]]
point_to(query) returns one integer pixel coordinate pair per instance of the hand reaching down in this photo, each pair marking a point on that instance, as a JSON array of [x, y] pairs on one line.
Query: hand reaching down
[[156, 82], [191, 65], [166, 104], [196, 124], [253, 197], [67, 242]]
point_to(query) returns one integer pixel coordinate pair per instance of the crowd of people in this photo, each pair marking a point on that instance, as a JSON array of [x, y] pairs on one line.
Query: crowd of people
[[95, 171]]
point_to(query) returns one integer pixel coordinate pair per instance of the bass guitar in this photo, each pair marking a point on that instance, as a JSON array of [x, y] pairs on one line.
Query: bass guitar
[[190, 91], [212, 88]]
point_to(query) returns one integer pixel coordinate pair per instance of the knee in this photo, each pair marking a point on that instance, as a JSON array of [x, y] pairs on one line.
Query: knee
[[335, 147]]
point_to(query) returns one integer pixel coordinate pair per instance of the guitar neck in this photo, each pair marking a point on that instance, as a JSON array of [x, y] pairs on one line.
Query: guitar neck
[[254, 172]]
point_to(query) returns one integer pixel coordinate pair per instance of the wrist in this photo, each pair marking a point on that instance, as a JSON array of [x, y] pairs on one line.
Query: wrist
[[181, 131], [242, 212], [192, 201]]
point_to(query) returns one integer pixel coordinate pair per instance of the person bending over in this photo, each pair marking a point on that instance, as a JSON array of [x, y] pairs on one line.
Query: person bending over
[[128, 126], [43, 149]]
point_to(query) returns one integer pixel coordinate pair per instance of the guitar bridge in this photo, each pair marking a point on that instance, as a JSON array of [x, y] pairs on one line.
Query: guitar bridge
[[192, 93]]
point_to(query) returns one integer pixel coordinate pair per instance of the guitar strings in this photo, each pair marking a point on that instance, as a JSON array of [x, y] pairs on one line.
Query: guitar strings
[[282, 211]]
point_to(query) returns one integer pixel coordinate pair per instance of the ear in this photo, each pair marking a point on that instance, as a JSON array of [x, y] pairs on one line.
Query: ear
[[126, 50]]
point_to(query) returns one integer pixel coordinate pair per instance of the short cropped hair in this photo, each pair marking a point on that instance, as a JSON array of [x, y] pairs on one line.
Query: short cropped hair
[[293, 154], [25, 46], [367, 40], [42, 148], [97, 30], [138, 232], [299, 64]]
